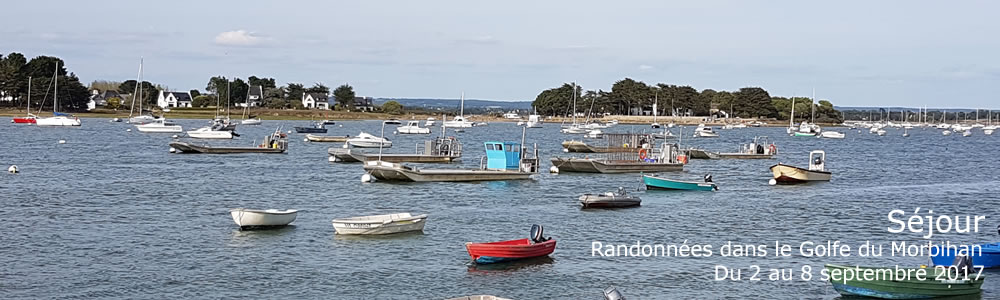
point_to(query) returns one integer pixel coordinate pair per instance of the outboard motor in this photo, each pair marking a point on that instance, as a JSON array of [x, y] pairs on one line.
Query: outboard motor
[[962, 263], [760, 149], [611, 293], [708, 177], [536, 233]]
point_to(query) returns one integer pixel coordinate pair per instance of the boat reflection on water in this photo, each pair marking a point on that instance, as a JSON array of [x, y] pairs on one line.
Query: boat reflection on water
[[250, 238], [511, 266], [378, 237]]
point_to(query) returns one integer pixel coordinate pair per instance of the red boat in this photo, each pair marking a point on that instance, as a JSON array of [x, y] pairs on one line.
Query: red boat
[[25, 120], [495, 252]]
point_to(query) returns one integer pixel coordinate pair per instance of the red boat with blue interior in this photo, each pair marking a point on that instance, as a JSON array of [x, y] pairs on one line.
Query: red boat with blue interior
[[497, 252]]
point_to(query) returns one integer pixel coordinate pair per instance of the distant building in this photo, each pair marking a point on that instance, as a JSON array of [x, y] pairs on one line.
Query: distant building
[[364, 104], [316, 100], [173, 99], [255, 97], [100, 99]]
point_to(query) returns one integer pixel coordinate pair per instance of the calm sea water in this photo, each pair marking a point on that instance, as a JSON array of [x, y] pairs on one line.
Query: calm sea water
[[111, 214]]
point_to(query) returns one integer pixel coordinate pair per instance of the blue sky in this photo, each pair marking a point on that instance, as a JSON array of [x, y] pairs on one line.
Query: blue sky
[[856, 53]]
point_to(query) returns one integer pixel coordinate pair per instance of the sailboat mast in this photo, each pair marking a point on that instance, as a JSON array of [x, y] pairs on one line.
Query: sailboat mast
[[656, 100], [461, 107], [574, 103], [229, 92], [29, 94], [791, 119], [813, 107], [135, 92], [138, 86], [55, 100]]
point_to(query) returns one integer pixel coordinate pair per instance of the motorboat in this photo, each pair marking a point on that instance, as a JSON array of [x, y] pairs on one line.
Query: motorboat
[[275, 143], [653, 183], [262, 218], [328, 122], [594, 134], [412, 127], [832, 135], [210, 132], [574, 129], [480, 124], [669, 158], [880, 132], [319, 127], [380, 224], [393, 122], [511, 115], [705, 131], [503, 251], [806, 129], [946, 132], [503, 161], [967, 133], [458, 122], [327, 139], [141, 119], [365, 140], [430, 122], [816, 172], [439, 150], [610, 199], [160, 125]]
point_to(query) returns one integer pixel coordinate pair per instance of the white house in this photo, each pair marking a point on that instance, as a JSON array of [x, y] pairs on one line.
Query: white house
[[316, 100], [255, 96], [173, 99]]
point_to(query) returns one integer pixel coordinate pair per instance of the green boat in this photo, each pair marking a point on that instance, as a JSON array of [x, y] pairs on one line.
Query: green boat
[[904, 288], [670, 184]]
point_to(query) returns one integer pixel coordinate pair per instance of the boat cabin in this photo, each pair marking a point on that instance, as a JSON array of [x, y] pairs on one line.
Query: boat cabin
[[503, 155], [817, 160]]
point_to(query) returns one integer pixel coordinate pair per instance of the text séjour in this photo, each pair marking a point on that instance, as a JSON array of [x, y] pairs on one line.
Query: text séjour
[[932, 223]]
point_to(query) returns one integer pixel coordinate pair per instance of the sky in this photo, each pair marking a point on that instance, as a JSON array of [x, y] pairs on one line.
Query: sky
[[854, 53]]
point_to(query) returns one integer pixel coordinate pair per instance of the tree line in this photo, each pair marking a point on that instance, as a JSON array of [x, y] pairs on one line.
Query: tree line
[[43, 71], [631, 97]]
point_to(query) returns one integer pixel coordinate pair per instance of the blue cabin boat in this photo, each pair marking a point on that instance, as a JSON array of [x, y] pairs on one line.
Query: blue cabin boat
[[503, 156], [988, 258]]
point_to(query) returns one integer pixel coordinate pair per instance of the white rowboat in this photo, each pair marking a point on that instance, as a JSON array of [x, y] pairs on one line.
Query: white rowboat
[[380, 224], [257, 218]]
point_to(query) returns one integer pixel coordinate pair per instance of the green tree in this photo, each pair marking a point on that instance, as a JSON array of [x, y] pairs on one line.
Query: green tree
[[392, 107], [752, 102], [195, 93], [295, 91], [557, 101], [628, 93], [344, 95], [318, 88], [239, 90], [203, 101], [266, 83]]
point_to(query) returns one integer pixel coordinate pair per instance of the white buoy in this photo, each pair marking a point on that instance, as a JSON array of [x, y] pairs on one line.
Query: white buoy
[[12, 169], [289, 131], [62, 141], [565, 150], [395, 132], [172, 150], [554, 170], [305, 140], [341, 125], [772, 181], [12, 120], [345, 146], [366, 178], [332, 159], [176, 136]]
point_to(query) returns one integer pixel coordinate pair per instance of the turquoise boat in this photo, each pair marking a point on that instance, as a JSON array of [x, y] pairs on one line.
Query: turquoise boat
[[670, 184]]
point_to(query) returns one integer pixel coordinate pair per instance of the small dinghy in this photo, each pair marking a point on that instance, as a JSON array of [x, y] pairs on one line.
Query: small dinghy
[[316, 128], [380, 224], [496, 252], [932, 286], [671, 184], [610, 199], [257, 218], [787, 174]]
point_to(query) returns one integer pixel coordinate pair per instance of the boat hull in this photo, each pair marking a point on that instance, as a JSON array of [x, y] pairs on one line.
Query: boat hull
[[210, 134], [160, 129], [309, 130], [139, 120], [24, 120], [489, 253], [381, 224], [252, 218], [669, 184], [584, 165], [327, 139], [351, 155], [417, 130], [807, 134], [369, 144], [988, 258], [581, 147], [250, 122], [790, 174], [903, 289], [183, 147], [386, 171], [604, 201], [57, 121]]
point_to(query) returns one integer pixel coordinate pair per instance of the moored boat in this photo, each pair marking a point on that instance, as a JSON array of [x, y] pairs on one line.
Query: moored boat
[[705, 131], [327, 139], [653, 182], [277, 142], [503, 251], [317, 128], [832, 135], [251, 121], [848, 281], [503, 161], [412, 127], [393, 122], [440, 150], [210, 132], [989, 257], [380, 224], [669, 158], [791, 174], [610, 199], [365, 140], [160, 125], [260, 218]]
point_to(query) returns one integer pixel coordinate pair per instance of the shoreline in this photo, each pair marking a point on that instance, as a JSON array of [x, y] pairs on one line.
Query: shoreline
[[318, 115]]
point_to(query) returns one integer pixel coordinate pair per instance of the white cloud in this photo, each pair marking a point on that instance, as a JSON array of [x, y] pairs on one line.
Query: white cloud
[[645, 67], [238, 38]]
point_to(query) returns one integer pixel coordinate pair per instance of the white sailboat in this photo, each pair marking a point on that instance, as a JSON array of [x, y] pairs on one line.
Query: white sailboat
[[534, 120], [57, 118], [247, 118], [137, 116], [656, 100], [574, 128], [459, 121]]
